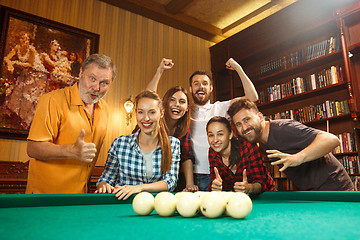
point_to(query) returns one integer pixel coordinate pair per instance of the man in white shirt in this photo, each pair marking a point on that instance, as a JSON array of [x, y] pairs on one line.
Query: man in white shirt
[[201, 87]]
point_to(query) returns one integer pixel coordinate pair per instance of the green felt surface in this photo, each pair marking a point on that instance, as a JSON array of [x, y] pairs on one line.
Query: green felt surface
[[277, 215]]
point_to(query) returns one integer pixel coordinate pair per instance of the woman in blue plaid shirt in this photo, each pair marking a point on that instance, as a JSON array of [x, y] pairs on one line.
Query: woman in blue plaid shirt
[[147, 160]]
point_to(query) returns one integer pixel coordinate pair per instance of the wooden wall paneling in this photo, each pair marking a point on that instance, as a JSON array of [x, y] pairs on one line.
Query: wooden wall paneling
[[13, 149], [13, 177], [136, 45]]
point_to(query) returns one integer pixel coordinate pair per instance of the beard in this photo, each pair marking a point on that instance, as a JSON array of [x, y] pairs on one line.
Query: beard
[[253, 138], [198, 101], [84, 95]]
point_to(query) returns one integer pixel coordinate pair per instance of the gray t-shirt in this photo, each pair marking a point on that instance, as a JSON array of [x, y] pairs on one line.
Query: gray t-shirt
[[323, 174], [148, 163]]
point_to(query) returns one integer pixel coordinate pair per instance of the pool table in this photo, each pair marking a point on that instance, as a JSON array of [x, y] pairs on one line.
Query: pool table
[[275, 215]]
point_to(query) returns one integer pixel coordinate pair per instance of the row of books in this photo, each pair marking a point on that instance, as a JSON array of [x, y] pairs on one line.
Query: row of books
[[300, 56], [356, 182], [347, 143], [322, 48], [351, 164], [298, 85], [325, 110]]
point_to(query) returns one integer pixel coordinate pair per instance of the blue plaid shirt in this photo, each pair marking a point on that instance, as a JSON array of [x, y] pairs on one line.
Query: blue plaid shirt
[[125, 164]]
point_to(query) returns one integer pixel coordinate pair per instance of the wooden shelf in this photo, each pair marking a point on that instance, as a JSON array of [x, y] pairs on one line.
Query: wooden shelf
[[346, 154], [331, 119], [355, 49], [301, 96], [296, 69], [287, 32], [355, 174]]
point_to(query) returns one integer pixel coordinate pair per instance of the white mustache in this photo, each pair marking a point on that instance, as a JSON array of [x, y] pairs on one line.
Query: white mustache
[[93, 92]]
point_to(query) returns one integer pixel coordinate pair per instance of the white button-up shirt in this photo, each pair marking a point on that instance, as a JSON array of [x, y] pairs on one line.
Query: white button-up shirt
[[199, 116]]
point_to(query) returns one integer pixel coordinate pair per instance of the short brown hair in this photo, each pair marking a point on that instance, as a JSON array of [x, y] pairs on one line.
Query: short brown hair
[[240, 104], [200, 72]]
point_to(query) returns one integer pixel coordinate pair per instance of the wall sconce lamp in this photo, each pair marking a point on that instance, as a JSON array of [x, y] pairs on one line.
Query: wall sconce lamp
[[129, 105]]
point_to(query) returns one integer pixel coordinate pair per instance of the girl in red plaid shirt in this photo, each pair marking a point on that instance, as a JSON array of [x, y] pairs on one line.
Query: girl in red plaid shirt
[[235, 164], [177, 119]]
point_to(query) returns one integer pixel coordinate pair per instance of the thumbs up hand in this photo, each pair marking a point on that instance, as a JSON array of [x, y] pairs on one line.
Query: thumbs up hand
[[243, 186], [217, 183], [84, 152]]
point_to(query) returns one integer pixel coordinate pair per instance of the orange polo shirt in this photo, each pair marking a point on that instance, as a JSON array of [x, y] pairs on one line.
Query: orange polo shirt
[[60, 116]]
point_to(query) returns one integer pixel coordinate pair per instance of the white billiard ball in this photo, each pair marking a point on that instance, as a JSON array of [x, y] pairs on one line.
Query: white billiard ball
[[239, 205], [226, 196], [178, 194], [200, 194], [165, 204], [212, 205], [143, 203], [188, 204]]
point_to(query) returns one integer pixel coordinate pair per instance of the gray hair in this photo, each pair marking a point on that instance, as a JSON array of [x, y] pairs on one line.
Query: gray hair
[[102, 61]]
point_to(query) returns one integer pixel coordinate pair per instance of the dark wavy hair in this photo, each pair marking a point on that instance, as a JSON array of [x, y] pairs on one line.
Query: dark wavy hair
[[234, 157], [184, 122]]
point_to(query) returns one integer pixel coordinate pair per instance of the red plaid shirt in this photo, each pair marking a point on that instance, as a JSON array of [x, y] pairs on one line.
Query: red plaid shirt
[[185, 147], [251, 160]]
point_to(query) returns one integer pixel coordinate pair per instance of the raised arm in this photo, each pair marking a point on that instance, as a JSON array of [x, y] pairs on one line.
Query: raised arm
[[249, 88], [323, 143], [164, 64]]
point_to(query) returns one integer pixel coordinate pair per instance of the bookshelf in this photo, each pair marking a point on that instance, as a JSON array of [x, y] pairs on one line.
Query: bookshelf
[[305, 64]]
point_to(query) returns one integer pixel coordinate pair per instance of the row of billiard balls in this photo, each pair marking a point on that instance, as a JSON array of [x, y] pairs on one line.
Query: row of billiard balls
[[187, 204]]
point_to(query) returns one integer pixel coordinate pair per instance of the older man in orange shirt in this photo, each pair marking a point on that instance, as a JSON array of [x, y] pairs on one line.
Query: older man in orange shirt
[[68, 130]]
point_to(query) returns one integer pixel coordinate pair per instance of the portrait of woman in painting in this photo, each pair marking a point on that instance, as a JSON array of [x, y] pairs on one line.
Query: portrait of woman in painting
[[38, 56], [23, 56], [28, 75]]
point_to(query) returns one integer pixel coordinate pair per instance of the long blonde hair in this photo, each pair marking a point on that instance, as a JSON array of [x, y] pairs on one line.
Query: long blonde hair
[[166, 157]]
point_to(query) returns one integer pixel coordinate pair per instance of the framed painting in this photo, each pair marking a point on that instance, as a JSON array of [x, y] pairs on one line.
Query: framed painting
[[37, 56]]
